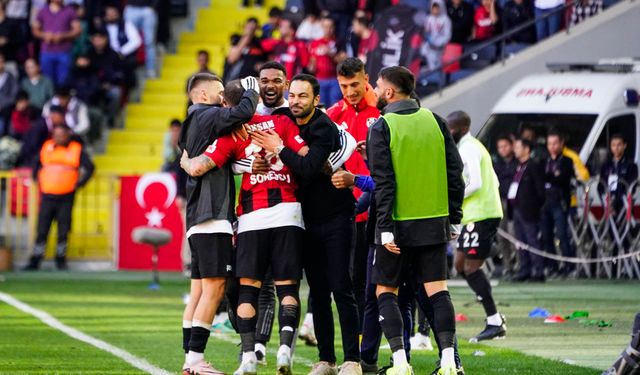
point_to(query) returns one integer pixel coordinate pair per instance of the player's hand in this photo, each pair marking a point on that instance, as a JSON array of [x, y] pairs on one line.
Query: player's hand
[[250, 83], [455, 230], [361, 147], [260, 165], [240, 134], [392, 247], [185, 162], [268, 140], [343, 179]]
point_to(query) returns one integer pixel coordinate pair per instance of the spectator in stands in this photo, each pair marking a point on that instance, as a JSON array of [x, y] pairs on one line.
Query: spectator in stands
[[514, 14], [437, 34], [310, 28], [618, 168], [202, 59], [555, 212], [22, 115], [361, 27], [143, 16], [18, 12], [526, 197], [245, 55], [485, 20], [57, 26], [84, 81], [172, 155], [461, 14], [584, 9], [341, 11], [289, 51], [39, 87], [538, 151], [106, 66], [505, 165], [63, 167], [81, 44], [268, 28], [322, 63], [76, 112], [8, 86], [10, 39], [550, 25], [125, 40], [37, 134]]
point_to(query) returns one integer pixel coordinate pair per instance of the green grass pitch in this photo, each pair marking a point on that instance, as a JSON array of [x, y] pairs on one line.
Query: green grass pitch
[[119, 309]]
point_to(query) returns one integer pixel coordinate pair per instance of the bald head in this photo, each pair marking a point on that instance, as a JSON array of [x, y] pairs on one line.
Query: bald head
[[459, 124]]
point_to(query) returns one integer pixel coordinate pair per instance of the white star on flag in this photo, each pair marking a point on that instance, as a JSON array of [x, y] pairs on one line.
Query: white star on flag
[[154, 218]]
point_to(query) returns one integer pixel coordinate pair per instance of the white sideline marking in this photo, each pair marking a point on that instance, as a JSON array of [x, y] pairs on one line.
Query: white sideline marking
[[52, 322], [296, 358]]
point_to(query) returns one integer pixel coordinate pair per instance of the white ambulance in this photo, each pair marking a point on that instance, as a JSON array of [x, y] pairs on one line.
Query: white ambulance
[[586, 102]]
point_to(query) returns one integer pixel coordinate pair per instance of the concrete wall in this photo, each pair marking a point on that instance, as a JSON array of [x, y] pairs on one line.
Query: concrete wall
[[614, 33]]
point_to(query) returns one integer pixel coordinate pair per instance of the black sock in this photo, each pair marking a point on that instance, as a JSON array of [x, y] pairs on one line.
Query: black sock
[[481, 286], [288, 318], [199, 338], [444, 319], [391, 320], [186, 336], [247, 326]]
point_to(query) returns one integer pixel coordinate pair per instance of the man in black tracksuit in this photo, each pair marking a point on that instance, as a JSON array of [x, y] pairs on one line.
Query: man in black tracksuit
[[328, 214], [210, 209]]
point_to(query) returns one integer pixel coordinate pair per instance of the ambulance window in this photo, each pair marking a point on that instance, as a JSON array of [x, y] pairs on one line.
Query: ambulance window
[[625, 125]]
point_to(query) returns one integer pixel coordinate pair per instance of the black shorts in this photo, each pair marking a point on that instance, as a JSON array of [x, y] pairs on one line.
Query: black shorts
[[428, 263], [211, 255], [279, 248], [476, 238]]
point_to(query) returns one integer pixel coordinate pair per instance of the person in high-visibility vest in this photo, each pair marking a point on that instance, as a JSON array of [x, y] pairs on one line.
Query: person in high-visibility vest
[[482, 212], [419, 192], [62, 168]]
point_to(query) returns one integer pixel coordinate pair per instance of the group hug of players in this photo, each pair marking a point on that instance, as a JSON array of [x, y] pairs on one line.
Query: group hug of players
[[364, 198]]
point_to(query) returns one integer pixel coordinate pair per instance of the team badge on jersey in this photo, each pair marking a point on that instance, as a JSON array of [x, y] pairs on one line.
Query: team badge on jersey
[[370, 121], [298, 139], [212, 147]]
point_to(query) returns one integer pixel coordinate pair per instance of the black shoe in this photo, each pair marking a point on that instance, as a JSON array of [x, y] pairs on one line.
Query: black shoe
[[34, 263], [520, 278], [491, 332], [61, 263]]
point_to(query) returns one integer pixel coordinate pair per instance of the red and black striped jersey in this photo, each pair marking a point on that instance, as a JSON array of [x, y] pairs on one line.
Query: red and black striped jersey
[[261, 190]]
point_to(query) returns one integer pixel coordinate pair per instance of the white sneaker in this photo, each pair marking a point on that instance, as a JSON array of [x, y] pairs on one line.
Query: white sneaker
[[247, 368], [421, 342], [283, 366], [307, 334]]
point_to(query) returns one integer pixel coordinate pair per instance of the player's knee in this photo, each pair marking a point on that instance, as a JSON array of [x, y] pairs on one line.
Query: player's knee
[[381, 289], [434, 287], [246, 310], [288, 294], [247, 301]]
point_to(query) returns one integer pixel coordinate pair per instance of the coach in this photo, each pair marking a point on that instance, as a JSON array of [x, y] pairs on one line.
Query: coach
[[419, 191]]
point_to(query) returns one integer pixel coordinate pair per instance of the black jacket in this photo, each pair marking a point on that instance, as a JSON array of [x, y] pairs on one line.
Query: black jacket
[[626, 170], [530, 197], [514, 15], [557, 178], [411, 232], [505, 170], [317, 194], [212, 195], [461, 21]]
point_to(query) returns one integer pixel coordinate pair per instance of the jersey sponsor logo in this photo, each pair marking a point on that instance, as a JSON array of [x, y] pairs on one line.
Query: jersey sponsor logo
[[270, 176], [371, 121], [472, 252], [471, 227], [265, 125], [299, 139]]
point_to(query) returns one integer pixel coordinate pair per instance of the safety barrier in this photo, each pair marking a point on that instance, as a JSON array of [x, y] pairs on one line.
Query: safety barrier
[[93, 220], [605, 230]]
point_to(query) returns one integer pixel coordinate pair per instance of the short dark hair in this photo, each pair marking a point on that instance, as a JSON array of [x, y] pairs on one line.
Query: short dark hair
[[273, 65], [63, 90], [203, 52], [555, 132], [504, 137], [253, 19], [175, 123], [22, 95], [197, 78], [364, 21], [400, 77], [275, 12], [619, 136], [526, 143], [292, 23], [233, 91], [459, 119], [526, 126], [350, 67], [56, 109], [313, 81]]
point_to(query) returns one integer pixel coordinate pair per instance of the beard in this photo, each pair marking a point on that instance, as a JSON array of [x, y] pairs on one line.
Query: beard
[[381, 103], [303, 112]]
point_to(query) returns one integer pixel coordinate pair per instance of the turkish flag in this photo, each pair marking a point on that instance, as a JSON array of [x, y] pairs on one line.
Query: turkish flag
[[149, 201]]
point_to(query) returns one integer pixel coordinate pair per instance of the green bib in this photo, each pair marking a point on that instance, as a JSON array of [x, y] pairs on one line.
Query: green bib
[[419, 163], [485, 203]]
